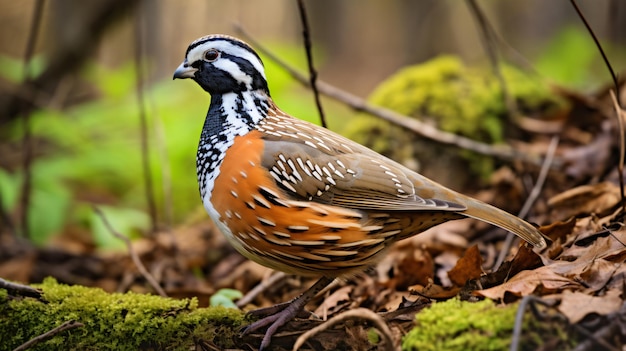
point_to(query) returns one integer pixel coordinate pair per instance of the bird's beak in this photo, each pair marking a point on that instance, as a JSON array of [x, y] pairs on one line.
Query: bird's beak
[[184, 71]]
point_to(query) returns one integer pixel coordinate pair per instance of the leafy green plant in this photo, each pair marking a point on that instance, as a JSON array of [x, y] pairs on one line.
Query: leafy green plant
[[93, 152]]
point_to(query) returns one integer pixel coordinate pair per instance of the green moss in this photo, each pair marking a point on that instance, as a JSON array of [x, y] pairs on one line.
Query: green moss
[[459, 325], [457, 99], [372, 336], [115, 321]]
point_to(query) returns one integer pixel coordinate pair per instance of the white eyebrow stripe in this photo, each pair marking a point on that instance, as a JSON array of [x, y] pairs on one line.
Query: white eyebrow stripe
[[234, 70], [197, 54]]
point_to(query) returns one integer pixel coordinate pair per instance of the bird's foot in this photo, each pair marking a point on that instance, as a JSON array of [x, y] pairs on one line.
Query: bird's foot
[[276, 316], [283, 313]]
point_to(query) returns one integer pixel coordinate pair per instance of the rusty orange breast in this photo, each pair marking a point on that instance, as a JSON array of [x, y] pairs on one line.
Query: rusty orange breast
[[274, 229]]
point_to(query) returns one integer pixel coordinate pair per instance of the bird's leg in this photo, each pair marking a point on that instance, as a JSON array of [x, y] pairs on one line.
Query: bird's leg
[[279, 315], [267, 311]]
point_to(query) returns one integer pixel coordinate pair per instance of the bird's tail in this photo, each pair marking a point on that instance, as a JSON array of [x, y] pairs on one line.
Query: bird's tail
[[493, 215]]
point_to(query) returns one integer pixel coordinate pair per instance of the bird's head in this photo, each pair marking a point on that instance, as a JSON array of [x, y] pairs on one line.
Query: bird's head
[[222, 64]]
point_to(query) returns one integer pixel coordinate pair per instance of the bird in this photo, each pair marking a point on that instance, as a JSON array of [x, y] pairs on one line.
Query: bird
[[299, 198]]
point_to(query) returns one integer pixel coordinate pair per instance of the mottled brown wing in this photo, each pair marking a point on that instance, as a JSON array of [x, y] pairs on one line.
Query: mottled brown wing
[[312, 163]]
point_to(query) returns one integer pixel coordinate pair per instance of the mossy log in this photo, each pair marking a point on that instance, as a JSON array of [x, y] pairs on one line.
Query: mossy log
[[114, 321]]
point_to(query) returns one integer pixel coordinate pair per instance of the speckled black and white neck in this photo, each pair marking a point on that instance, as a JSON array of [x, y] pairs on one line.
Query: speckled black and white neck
[[235, 77], [230, 115]]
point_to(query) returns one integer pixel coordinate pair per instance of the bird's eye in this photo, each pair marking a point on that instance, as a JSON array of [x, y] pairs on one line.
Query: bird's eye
[[211, 55]]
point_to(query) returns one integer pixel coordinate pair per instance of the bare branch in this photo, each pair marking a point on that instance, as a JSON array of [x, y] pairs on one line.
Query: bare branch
[[617, 91], [504, 152], [140, 267], [532, 197], [49, 334], [309, 57], [359, 313], [622, 146], [143, 123], [489, 42], [20, 289], [26, 188]]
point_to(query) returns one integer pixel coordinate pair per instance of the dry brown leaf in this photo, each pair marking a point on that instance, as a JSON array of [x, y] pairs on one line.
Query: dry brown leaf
[[589, 159], [598, 274], [395, 299], [18, 269], [576, 305], [618, 280], [436, 292], [610, 247], [558, 233], [526, 282], [587, 199], [590, 268], [341, 294], [524, 259], [467, 267], [559, 229], [406, 266]]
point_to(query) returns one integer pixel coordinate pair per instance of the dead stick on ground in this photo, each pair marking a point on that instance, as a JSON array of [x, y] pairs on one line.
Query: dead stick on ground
[[262, 286], [140, 267], [49, 334], [532, 197], [504, 152], [20, 289], [360, 314]]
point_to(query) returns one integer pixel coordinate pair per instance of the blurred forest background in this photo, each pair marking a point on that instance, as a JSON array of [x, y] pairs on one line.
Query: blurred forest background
[[94, 131], [83, 119]]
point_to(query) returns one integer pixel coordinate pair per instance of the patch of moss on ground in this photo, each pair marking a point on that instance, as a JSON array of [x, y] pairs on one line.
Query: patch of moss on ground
[[460, 325], [114, 321], [458, 99]]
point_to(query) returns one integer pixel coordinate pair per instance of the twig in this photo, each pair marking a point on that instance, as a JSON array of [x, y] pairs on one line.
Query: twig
[[49, 334], [145, 151], [359, 313], [140, 267], [20, 289], [519, 321], [591, 341], [262, 286], [27, 146], [504, 152], [622, 146], [601, 336], [528, 301], [309, 57], [620, 166], [532, 197], [488, 40]]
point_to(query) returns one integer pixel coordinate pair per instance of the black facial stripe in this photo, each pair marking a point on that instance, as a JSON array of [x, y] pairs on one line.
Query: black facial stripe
[[258, 81]]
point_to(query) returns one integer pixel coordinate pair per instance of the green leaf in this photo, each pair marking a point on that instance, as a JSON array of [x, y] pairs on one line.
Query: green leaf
[[225, 297], [126, 221]]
